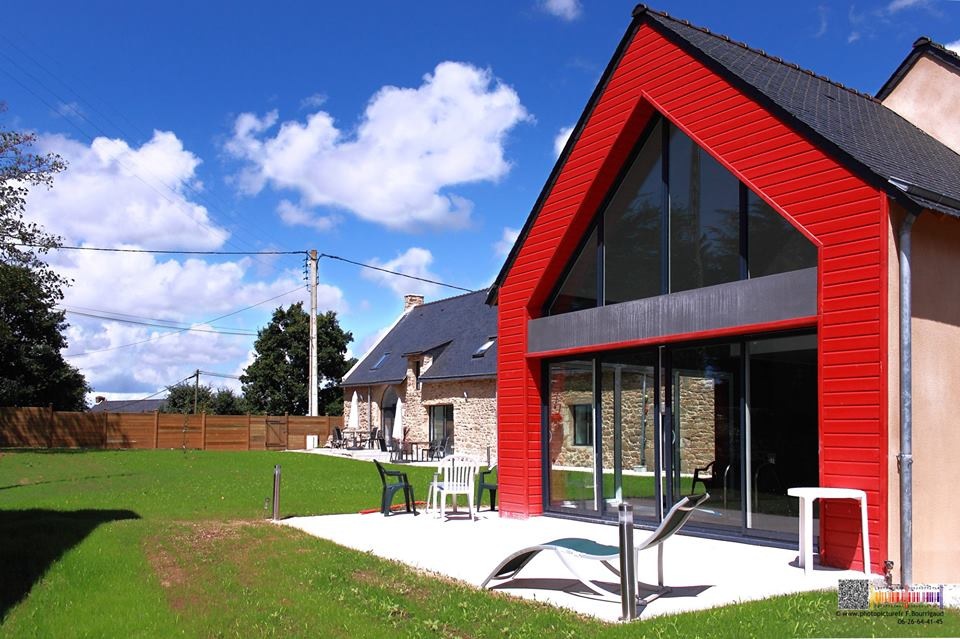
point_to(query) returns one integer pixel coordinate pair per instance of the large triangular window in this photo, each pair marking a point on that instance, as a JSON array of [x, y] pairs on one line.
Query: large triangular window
[[677, 220]]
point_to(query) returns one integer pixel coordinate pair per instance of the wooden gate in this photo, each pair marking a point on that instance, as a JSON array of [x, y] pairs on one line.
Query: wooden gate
[[276, 433]]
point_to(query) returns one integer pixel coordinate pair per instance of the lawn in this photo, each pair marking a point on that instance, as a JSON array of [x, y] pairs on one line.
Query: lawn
[[167, 543]]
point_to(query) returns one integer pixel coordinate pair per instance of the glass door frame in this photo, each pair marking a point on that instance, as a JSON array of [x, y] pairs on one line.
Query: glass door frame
[[665, 493]]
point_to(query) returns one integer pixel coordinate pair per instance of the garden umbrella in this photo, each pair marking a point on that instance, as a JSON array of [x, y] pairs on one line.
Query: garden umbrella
[[354, 422], [398, 421]]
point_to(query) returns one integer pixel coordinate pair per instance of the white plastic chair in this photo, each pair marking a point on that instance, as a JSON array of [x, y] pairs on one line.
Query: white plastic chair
[[456, 476]]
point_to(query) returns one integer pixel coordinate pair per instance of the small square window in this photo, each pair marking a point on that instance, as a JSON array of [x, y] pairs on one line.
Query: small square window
[[480, 352], [582, 424], [380, 361]]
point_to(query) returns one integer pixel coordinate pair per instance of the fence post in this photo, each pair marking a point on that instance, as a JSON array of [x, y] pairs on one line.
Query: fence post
[[106, 428], [53, 416], [249, 433], [286, 431], [203, 430], [156, 429]]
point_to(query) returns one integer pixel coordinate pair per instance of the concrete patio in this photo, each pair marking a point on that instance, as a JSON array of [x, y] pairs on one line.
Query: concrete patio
[[703, 573]]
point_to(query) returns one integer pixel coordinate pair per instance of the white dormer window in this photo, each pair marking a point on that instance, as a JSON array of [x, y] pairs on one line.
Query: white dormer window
[[480, 352]]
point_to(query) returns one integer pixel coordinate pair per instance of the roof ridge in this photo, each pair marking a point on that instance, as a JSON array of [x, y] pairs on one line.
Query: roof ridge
[[452, 297], [923, 41], [642, 8]]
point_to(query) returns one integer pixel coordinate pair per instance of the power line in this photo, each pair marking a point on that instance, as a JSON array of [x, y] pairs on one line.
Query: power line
[[165, 388], [176, 324], [89, 137], [159, 337], [169, 328], [386, 270], [155, 251], [219, 375], [321, 255]]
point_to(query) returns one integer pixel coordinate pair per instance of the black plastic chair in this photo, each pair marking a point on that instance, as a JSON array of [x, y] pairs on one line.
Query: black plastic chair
[[483, 484], [339, 441], [437, 450], [390, 488]]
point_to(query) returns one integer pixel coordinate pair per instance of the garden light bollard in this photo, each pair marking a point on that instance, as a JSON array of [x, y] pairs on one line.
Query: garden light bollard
[[628, 581], [276, 492]]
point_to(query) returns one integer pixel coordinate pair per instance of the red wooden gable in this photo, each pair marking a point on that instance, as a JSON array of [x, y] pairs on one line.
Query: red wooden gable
[[840, 212]]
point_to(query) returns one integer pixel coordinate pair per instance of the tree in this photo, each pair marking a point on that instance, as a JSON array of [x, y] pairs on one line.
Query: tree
[[213, 401], [276, 381], [32, 369]]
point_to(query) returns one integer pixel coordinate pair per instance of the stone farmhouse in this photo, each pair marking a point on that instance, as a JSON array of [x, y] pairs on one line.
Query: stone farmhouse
[[440, 361]]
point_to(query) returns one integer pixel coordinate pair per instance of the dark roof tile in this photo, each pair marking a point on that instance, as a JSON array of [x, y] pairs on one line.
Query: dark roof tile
[[453, 328]]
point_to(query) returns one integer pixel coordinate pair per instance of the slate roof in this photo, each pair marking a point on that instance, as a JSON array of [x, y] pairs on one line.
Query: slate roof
[[456, 327], [128, 406], [855, 128]]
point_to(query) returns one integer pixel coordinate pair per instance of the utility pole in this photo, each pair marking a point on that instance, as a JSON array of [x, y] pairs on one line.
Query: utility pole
[[196, 389], [312, 403]]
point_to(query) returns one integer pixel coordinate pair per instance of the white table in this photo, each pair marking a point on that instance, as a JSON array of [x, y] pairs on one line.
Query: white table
[[807, 495]]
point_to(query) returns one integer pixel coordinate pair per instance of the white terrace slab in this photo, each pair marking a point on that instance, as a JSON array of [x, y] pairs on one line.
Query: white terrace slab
[[703, 573]]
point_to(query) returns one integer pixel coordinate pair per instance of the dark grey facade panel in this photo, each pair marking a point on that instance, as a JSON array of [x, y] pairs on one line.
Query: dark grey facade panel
[[774, 298]]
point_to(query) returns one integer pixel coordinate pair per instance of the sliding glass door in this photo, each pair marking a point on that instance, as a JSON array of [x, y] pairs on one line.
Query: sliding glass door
[[735, 419]]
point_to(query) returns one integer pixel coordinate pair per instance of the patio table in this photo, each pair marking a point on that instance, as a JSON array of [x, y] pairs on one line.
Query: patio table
[[807, 495]]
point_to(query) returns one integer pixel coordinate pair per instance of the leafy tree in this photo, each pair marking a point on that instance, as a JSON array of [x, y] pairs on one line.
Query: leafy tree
[[276, 381], [213, 401], [32, 369]]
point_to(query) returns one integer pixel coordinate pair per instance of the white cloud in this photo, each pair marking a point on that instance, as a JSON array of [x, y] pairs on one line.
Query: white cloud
[[314, 101], [954, 46], [502, 246], [899, 5], [823, 13], [853, 37], [560, 140], [409, 147], [564, 9], [293, 215], [118, 194], [414, 261]]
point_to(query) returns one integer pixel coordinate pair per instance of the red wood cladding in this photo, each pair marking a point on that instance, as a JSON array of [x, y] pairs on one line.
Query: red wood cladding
[[834, 207]]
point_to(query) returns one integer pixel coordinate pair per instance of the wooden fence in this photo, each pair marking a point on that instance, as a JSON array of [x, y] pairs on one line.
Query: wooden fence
[[47, 428]]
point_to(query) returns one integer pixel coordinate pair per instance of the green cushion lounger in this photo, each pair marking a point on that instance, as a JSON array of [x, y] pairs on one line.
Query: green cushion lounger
[[579, 548]]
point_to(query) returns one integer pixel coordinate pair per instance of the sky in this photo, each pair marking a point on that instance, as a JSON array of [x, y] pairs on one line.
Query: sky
[[414, 136]]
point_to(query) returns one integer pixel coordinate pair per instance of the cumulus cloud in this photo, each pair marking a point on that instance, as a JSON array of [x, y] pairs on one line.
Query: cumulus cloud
[[187, 292], [411, 145], [564, 9], [414, 261], [119, 194], [293, 215], [502, 246], [560, 140]]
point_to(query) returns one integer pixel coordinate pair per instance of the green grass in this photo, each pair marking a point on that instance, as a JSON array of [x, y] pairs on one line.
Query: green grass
[[167, 544]]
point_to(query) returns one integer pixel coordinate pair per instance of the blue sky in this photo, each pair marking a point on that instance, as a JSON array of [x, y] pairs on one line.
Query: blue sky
[[413, 135]]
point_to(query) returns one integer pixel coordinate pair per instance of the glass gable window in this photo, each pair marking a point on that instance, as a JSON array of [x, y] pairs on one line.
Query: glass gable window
[[632, 228], [677, 220], [775, 245], [579, 290], [704, 218]]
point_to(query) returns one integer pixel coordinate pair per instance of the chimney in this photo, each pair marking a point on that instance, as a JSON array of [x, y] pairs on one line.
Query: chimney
[[409, 301], [99, 398]]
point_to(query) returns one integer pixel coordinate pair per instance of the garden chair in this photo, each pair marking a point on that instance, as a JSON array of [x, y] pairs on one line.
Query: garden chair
[[436, 450], [339, 441], [579, 548], [394, 481], [456, 477], [490, 486]]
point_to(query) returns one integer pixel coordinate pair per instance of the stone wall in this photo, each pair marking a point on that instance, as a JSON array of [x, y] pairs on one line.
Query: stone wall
[[703, 418], [474, 404]]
